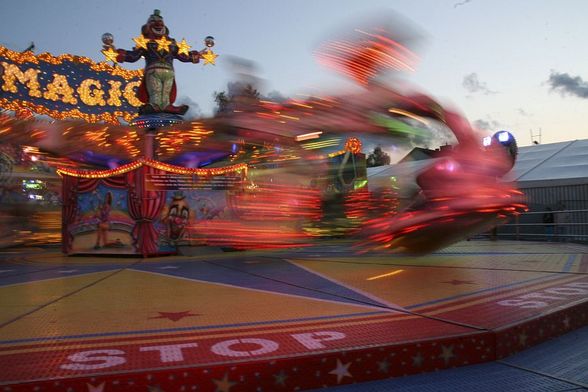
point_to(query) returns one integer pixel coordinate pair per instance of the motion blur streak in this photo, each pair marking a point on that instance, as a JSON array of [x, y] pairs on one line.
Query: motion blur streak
[[297, 191]]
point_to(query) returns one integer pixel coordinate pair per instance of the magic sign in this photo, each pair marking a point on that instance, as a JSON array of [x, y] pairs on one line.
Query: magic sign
[[67, 86]]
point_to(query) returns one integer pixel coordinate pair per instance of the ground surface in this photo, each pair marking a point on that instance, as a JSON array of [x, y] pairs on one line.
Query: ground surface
[[231, 315]]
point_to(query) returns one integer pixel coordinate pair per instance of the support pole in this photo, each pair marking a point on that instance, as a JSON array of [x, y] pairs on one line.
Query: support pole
[[149, 147]]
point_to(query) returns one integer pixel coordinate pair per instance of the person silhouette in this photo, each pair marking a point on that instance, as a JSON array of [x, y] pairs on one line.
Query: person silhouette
[[549, 222]]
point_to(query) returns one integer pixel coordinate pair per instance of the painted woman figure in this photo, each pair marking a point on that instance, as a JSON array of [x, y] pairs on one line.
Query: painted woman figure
[[103, 215]]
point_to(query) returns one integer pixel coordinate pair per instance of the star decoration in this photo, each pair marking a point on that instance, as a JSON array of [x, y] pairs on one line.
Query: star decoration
[[417, 360], [163, 44], [383, 366], [156, 388], [110, 54], [522, 338], [209, 57], [141, 42], [183, 47], [341, 370], [456, 282], [174, 316], [281, 378], [92, 388], [223, 385], [446, 353]]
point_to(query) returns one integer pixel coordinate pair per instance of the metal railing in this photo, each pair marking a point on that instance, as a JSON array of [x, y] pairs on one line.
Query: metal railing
[[568, 225]]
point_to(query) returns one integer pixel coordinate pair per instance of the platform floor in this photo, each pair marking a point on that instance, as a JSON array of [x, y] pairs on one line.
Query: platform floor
[[278, 320]]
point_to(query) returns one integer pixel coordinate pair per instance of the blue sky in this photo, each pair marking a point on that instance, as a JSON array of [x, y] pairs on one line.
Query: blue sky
[[520, 65]]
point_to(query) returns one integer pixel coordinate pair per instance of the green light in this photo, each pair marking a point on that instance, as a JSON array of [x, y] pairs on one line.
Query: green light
[[360, 184], [397, 126], [394, 181]]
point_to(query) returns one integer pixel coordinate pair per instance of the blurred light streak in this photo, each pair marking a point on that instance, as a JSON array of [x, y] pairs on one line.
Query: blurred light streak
[[308, 136], [396, 272], [409, 114]]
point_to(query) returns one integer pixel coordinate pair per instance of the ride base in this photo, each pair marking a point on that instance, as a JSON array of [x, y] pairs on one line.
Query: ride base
[[278, 320]]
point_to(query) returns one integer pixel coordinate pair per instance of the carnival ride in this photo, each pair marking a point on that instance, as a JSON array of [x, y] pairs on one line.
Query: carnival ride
[[260, 174]]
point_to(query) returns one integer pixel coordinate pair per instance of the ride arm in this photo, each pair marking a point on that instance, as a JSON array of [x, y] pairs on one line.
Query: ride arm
[[129, 56], [192, 57]]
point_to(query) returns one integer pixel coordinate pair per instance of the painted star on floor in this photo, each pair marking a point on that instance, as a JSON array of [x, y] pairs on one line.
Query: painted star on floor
[[457, 282], [174, 316]]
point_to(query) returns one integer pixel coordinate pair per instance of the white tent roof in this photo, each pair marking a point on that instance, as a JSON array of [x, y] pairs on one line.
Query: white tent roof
[[551, 164], [565, 162]]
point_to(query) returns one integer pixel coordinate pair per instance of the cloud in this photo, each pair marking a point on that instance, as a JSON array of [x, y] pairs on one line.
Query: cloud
[[440, 134], [464, 2], [522, 112], [473, 85], [275, 96], [488, 125], [194, 112], [568, 85]]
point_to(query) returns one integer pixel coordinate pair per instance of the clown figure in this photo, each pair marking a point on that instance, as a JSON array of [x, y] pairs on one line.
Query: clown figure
[[158, 88]]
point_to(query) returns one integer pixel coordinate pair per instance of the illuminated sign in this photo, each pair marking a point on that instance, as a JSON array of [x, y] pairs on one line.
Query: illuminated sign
[[32, 184], [67, 86]]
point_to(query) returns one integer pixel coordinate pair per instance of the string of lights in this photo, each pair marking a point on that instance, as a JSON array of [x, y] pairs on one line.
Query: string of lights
[[217, 171]]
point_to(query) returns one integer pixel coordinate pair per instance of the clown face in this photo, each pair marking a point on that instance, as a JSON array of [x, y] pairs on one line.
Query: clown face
[[177, 218], [157, 27]]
